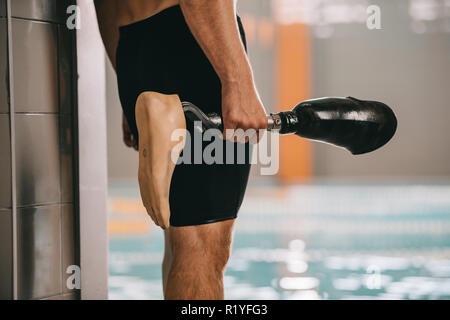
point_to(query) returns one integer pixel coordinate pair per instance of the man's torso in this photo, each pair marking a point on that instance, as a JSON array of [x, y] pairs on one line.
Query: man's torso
[[129, 11]]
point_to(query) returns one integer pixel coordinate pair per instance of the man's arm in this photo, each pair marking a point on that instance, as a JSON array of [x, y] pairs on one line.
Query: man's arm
[[107, 23], [213, 24]]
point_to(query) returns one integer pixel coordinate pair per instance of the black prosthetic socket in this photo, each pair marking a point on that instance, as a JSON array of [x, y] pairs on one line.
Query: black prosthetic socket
[[357, 125]]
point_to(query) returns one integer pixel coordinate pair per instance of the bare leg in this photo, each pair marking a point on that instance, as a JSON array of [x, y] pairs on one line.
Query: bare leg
[[167, 260], [199, 257], [157, 118]]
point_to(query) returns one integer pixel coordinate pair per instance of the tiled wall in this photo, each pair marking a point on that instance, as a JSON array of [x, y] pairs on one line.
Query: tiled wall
[[42, 150]]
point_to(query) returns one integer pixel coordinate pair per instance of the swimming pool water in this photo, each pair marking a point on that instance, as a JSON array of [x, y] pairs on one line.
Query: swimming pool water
[[337, 241]]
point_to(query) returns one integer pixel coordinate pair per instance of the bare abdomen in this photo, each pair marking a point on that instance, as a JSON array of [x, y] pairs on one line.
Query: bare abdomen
[[130, 11]]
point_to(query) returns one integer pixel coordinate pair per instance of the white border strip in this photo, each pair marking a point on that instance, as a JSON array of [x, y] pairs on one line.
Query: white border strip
[[92, 156]]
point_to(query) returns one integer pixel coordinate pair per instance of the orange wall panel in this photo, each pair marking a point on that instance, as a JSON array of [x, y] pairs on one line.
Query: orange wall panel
[[293, 86]]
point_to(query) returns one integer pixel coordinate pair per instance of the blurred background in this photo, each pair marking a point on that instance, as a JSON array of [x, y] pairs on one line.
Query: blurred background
[[329, 225]]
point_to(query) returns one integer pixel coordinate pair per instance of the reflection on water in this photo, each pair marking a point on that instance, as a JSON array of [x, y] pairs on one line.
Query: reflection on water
[[310, 242]]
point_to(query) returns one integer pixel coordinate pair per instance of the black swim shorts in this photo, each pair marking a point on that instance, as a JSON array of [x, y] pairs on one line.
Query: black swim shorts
[[160, 54]]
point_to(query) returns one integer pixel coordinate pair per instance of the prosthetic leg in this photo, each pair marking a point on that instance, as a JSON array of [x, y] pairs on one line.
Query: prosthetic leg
[[359, 126], [356, 125], [157, 117]]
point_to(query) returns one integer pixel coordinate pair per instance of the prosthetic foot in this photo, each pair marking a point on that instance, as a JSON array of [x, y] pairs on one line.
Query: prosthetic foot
[[157, 117]]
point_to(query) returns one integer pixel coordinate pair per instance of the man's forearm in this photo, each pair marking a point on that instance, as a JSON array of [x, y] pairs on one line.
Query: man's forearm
[[214, 26], [107, 23]]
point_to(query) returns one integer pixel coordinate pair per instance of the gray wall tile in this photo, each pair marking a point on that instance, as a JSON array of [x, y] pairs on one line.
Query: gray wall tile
[[47, 10], [34, 9], [39, 252], [68, 243], [2, 8], [5, 162], [66, 296], [6, 264], [3, 67], [35, 66], [66, 158], [37, 159]]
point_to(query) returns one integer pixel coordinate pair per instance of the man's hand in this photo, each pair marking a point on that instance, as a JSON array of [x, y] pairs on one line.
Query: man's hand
[[128, 137], [242, 109]]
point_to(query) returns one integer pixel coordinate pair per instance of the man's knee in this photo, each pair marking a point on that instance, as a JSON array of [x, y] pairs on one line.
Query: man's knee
[[192, 259], [209, 252]]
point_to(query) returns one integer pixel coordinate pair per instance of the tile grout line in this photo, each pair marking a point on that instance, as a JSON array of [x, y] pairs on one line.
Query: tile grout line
[[60, 138], [37, 20], [13, 151]]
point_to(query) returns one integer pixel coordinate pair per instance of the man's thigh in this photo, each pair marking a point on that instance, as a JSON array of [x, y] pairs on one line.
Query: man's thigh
[[210, 243]]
